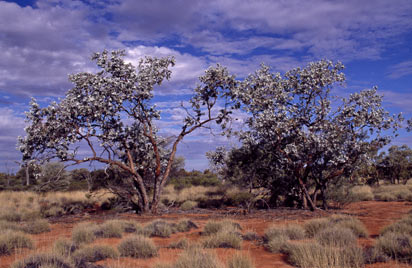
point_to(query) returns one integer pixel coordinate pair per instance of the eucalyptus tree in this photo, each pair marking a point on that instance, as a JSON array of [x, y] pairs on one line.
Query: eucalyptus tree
[[308, 137], [396, 164], [112, 113]]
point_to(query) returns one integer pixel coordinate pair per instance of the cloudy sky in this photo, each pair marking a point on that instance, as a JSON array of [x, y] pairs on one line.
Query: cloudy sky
[[42, 42]]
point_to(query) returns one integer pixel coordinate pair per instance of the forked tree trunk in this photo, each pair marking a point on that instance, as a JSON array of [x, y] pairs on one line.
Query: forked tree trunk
[[307, 195]]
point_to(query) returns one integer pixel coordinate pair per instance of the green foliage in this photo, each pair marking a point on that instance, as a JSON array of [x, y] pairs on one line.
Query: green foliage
[[185, 179], [299, 135], [137, 247]]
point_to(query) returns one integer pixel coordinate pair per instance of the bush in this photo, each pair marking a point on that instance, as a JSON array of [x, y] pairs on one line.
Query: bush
[[312, 227], [181, 244], [188, 205], [292, 232], [197, 257], [64, 247], [185, 225], [94, 253], [397, 246], [309, 255], [43, 260], [109, 229], [385, 197], [158, 228], [240, 261], [336, 237], [36, 227], [361, 193], [84, 233], [137, 247], [223, 239], [238, 199], [212, 227], [277, 244], [250, 236], [10, 240], [352, 223]]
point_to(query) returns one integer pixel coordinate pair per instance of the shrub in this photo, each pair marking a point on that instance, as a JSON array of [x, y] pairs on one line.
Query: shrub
[[137, 247], [240, 261], [182, 244], [197, 257], [64, 247], [158, 228], [36, 227], [94, 253], [336, 237], [185, 225], [188, 205], [352, 223], [223, 239], [250, 236], [84, 233], [109, 229], [213, 227], [6, 225], [403, 226], [385, 197], [309, 255], [238, 199], [292, 232], [125, 225], [312, 227], [277, 244], [397, 246], [10, 240], [361, 193], [43, 260]]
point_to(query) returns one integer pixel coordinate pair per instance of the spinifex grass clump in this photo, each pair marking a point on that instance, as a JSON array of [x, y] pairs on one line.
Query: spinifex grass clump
[[109, 229], [159, 228], [137, 247], [395, 242], [213, 227], [310, 255], [312, 227], [194, 257], [181, 244], [277, 238], [36, 227], [64, 247], [240, 261], [84, 233], [44, 260], [11, 240], [93, 254]]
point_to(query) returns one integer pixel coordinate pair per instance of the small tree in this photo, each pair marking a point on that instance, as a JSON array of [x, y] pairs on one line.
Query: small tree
[[112, 110], [396, 165], [300, 135]]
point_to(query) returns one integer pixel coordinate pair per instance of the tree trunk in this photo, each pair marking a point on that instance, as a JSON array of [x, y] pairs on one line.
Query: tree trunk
[[27, 175], [307, 195]]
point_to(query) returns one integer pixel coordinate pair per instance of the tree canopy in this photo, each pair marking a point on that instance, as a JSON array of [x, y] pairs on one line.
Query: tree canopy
[[112, 113], [300, 135]]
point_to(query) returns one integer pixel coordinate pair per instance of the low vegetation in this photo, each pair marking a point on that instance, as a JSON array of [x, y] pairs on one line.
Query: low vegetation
[[137, 247]]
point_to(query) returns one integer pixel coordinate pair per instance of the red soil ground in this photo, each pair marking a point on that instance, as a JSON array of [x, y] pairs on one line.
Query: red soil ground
[[375, 216]]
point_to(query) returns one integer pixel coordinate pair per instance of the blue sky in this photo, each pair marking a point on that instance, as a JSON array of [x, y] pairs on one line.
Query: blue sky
[[42, 42]]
